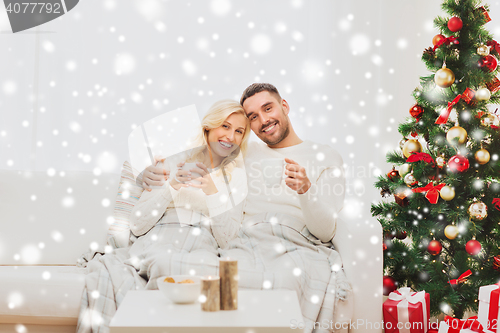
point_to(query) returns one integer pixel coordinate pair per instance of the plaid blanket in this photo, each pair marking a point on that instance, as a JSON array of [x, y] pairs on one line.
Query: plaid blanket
[[273, 252]]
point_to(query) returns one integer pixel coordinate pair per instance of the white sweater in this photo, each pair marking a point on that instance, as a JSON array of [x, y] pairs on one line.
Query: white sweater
[[192, 206], [319, 206]]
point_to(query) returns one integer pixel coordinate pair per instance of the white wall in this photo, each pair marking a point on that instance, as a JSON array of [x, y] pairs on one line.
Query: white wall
[[347, 69]]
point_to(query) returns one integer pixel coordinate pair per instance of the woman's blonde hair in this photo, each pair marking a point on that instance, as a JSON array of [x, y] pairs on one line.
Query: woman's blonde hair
[[214, 118]]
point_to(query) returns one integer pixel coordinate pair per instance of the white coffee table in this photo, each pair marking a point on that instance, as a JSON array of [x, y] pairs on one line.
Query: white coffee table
[[259, 311]]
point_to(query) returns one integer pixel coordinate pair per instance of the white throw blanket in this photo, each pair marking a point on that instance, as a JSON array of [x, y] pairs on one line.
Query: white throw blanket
[[271, 254]]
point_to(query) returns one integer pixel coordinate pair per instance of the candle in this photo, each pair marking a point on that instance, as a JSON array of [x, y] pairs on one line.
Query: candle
[[210, 291], [228, 272]]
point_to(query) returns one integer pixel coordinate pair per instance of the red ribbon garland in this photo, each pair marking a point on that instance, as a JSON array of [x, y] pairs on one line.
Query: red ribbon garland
[[496, 203], [415, 157], [447, 41], [462, 278], [456, 325], [494, 45], [432, 192], [443, 118]]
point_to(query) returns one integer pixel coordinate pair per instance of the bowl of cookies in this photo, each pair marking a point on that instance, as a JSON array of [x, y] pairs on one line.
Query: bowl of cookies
[[180, 288]]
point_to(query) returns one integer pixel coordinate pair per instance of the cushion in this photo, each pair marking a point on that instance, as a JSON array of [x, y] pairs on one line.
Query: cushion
[[41, 294], [129, 192]]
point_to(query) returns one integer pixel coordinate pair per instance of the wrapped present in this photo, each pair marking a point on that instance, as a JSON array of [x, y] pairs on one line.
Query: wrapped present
[[488, 312], [455, 325], [406, 311], [494, 85]]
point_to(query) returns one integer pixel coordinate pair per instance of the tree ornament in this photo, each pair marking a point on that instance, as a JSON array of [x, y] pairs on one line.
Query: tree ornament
[[434, 247], [451, 231], [447, 193], [401, 235], [416, 111], [483, 50], [404, 169], [478, 210], [458, 163], [389, 285], [489, 120], [393, 175], [488, 63], [455, 24], [430, 52], [410, 180], [401, 199], [444, 77], [496, 263], [402, 143], [494, 85], [436, 39], [483, 94], [456, 132], [385, 193], [440, 161], [384, 246], [473, 247], [482, 156], [410, 146]]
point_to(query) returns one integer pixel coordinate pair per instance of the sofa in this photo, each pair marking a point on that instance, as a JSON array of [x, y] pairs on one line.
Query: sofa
[[50, 218]]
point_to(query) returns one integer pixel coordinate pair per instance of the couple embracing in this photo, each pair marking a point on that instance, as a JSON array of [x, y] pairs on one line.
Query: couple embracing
[[215, 203]]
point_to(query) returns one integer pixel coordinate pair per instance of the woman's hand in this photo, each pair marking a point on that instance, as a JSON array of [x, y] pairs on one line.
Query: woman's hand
[[182, 175], [207, 184], [155, 175]]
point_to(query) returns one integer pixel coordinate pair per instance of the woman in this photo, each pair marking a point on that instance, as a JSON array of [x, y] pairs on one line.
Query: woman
[[178, 225]]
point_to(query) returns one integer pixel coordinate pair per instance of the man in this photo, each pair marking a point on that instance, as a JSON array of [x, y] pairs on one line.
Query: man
[[314, 186]]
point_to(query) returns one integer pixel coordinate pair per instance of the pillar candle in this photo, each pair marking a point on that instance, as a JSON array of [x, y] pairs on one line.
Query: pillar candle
[[228, 272], [211, 290]]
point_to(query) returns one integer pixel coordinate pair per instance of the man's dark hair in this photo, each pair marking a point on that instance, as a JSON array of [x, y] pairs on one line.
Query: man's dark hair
[[256, 88]]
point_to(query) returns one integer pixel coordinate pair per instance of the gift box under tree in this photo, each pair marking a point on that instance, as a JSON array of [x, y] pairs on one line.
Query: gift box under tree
[[406, 311], [488, 312]]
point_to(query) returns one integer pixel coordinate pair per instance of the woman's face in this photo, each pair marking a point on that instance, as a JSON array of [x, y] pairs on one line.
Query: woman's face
[[227, 137]]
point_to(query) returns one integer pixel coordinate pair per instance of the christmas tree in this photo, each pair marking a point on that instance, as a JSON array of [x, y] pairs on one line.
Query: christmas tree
[[441, 233]]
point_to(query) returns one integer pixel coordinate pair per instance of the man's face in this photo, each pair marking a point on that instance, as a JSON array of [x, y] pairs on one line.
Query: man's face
[[268, 117]]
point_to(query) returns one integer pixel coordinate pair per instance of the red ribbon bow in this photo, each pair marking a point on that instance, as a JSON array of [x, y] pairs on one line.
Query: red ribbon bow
[[494, 45], [462, 278], [456, 325], [443, 118], [496, 203], [447, 41], [432, 192], [415, 157]]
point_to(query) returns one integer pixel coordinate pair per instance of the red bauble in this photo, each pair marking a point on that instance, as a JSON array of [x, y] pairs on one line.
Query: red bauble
[[393, 174], [455, 24], [401, 234], [389, 285], [416, 111], [384, 246], [473, 247], [496, 263], [434, 247], [458, 163], [489, 63], [437, 39]]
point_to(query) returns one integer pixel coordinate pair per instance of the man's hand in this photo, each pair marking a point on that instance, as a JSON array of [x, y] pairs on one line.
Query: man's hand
[[297, 179], [155, 175]]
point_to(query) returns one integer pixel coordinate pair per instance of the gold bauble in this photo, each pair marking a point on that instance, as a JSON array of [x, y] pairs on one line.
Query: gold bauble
[[444, 77], [478, 210], [490, 119], [404, 169], [482, 156], [451, 231], [411, 146], [447, 193], [402, 143], [483, 50], [456, 132], [440, 161], [410, 179], [482, 94]]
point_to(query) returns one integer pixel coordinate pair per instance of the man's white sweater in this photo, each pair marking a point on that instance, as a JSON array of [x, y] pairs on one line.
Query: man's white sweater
[[319, 206]]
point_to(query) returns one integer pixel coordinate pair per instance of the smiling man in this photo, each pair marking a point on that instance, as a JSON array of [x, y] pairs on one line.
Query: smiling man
[[312, 193]]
